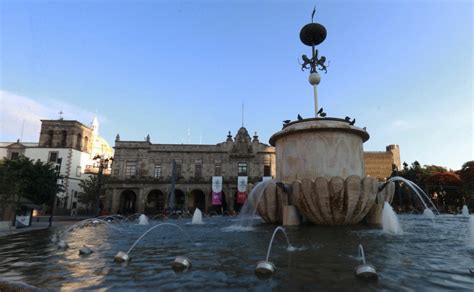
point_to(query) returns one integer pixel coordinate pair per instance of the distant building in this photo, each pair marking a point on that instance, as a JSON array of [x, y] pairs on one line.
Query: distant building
[[69, 144], [379, 164], [142, 173]]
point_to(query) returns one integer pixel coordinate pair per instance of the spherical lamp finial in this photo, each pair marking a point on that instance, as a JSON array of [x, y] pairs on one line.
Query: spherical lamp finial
[[314, 78]]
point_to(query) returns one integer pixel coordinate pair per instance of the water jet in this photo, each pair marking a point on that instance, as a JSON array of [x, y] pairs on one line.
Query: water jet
[[197, 217], [365, 271], [124, 256], [465, 211], [266, 268]]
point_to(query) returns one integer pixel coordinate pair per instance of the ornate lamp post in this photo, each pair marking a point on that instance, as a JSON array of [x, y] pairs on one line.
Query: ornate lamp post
[[103, 163], [312, 35]]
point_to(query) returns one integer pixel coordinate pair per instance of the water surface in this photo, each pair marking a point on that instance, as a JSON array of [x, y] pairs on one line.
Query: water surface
[[430, 255]]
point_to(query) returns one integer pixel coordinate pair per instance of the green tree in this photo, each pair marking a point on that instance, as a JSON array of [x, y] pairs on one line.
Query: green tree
[[24, 178], [88, 195]]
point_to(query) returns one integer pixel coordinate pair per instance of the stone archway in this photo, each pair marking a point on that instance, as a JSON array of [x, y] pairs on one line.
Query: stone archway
[[179, 199], [155, 202], [198, 200], [128, 202]]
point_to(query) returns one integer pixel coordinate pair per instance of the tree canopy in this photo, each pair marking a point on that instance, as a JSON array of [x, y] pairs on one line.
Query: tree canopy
[[25, 178], [453, 188], [89, 186]]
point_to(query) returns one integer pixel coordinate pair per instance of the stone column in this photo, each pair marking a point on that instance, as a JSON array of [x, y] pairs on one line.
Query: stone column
[[141, 201]]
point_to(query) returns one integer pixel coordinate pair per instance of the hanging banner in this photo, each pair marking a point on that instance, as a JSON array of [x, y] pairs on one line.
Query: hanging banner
[[242, 189], [216, 190]]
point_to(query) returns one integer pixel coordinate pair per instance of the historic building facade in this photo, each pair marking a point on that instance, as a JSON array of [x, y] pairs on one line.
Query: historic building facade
[[141, 179], [142, 173], [69, 145], [380, 164]]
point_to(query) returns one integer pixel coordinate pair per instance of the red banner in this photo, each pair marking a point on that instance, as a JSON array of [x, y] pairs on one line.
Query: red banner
[[241, 197]]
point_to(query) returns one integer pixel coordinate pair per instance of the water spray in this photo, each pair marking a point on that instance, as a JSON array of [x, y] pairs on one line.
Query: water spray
[[365, 271], [266, 269]]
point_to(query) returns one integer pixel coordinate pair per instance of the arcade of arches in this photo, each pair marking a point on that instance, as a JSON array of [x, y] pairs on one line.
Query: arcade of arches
[[155, 201]]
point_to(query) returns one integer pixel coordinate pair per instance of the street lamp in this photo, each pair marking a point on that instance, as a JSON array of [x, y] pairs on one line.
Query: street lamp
[[59, 188], [103, 163]]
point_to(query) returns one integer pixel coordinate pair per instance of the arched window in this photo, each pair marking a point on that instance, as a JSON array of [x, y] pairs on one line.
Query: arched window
[[79, 141], [63, 138]]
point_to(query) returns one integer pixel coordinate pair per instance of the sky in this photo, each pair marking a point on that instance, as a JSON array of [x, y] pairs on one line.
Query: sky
[[181, 70]]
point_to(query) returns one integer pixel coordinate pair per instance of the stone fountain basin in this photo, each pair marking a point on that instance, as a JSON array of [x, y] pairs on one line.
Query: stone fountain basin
[[334, 201], [316, 147]]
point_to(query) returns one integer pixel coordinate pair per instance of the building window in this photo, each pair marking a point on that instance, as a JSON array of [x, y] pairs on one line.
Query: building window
[[14, 155], [267, 170], [242, 169], [53, 156], [157, 171], [218, 170], [198, 171], [78, 171], [130, 168], [63, 138]]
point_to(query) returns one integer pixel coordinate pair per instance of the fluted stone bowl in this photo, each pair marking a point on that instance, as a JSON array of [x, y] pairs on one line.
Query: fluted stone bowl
[[321, 201]]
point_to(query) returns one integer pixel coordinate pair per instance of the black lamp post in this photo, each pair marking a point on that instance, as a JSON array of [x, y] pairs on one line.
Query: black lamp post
[[103, 163], [60, 188]]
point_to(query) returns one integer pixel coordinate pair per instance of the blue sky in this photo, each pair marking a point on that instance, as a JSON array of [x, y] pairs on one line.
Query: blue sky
[[403, 69]]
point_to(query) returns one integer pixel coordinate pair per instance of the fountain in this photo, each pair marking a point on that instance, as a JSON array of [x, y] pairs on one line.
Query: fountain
[[390, 223], [143, 220], [197, 217], [320, 178], [85, 250], [179, 262], [266, 268], [59, 237], [418, 191], [320, 161], [465, 211], [365, 271], [428, 214]]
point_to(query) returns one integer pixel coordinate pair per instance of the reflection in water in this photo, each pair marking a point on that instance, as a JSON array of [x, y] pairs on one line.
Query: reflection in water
[[80, 267], [426, 257]]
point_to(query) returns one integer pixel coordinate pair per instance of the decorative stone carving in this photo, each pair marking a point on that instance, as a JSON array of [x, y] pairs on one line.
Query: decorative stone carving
[[326, 202]]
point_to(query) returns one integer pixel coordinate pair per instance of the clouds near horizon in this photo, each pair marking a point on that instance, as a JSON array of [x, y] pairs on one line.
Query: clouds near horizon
[[20, 116]]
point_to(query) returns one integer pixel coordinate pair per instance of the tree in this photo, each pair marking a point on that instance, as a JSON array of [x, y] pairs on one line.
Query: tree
[[88, 195], [430, 178], [24, 178], [467, 176]]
